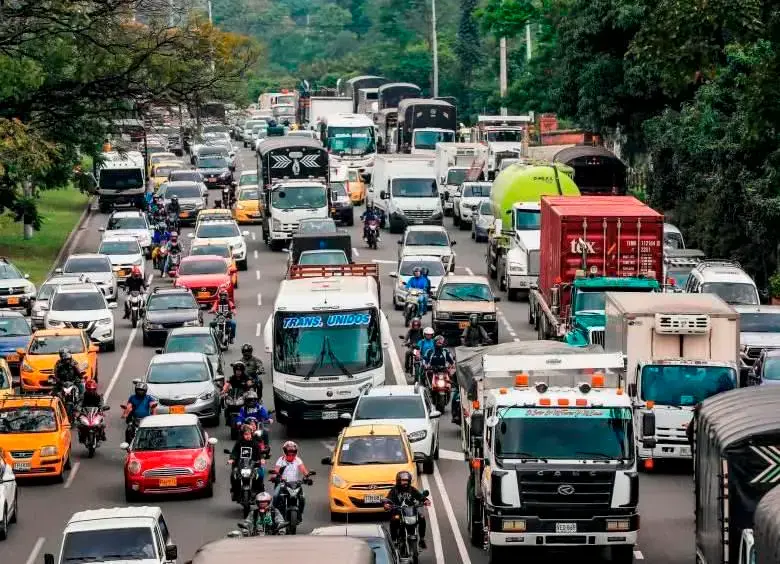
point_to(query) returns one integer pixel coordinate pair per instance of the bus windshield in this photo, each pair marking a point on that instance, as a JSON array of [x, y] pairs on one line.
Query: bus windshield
[[327, 344], [428, 139], [355, 141]]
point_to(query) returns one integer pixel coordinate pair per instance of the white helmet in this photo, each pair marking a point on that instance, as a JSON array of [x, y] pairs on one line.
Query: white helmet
[[428, 332]]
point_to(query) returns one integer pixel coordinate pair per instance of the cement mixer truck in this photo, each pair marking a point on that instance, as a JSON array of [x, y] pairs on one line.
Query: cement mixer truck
[[513, 242]]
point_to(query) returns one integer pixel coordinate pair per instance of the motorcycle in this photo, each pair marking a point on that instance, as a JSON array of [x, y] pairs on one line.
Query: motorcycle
[[234, 401], [372, 233], [441, 388], [413, 363], [132, 426], [136, 304], [249, 474], [227, 196], [69, 395], [221, 331], [91, 427], [172, 220], [415, 300], [261, 432], [406, 543], [173, 265], [269, 528], [290, 498]]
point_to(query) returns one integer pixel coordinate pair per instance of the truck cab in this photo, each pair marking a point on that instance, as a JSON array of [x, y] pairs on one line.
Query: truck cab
[[517, 269]]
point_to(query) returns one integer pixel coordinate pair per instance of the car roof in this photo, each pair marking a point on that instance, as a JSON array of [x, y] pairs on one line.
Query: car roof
[[28, 401], [175, 358], [162, 291], [248, 172], [7, 313], [367, 430], [65, 331], [78, 288], [87, 255], [360, 531], [189, 331], [180, 183], [169, 419], [63, 279], [118, 237], [116, 513], [129, 213], [426, 228], [201, 258], [411, 257], [388, 391], [460, 278]]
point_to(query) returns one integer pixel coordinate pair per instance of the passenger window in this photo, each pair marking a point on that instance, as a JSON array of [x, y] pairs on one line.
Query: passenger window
[[160, 546], [164, 530]]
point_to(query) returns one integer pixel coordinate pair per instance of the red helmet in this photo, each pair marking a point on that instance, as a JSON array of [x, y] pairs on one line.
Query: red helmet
[[90, 386], [136, 271]]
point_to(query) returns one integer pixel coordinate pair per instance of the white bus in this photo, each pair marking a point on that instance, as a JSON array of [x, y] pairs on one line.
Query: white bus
[[351, 140], [328, 339]]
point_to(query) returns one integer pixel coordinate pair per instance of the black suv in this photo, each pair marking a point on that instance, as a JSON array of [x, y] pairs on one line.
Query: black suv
[[166, 309]]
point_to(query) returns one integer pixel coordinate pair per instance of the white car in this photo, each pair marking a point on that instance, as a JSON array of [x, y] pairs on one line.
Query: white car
[[428, 240], [247, 178], [97, 268], [124, 252], [45, 292], [466, 201], [223, 232], [131, 223], [407, 406], [82, 306], [436, 271], [8, 498]]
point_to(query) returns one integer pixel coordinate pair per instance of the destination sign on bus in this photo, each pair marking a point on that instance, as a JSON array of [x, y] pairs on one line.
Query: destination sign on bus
[[331, 320]]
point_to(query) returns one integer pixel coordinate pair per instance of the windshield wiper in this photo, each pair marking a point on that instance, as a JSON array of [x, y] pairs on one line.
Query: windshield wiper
[[337, 362], [81, 559], [320, 359], [478, 297], [454, 297], [599, 455], [529, 457]]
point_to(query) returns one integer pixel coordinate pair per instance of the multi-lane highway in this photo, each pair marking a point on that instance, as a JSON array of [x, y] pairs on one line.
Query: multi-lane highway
[[666, 499]]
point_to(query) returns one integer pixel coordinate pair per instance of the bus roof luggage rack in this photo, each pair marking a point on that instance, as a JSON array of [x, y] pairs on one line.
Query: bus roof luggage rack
[[299, 271]]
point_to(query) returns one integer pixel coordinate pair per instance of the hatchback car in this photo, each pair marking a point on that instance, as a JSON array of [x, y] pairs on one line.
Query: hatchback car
[[170, 454], [162, 170], [98, 270], [226, 232], [125, 253], [216, 170], [205, 276], [220, 250], [42, 353], [192, 198], [167, 309], [482, 222], [373, 534], [343, 209], [248, 208], [428, 240], [45, 292], [15, 333], [185, 383], [195, 339], [131, 223], [16, 290], [436, 271], [247, 178], [460, 297], [82, 306]]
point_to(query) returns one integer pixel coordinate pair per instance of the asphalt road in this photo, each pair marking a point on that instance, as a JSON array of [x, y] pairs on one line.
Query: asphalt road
[[666, 497]]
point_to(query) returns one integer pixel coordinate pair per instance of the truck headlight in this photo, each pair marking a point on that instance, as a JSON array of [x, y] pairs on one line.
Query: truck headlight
[[444, 315], [513, 525], [618, 524], [489, 317], [285, 396]]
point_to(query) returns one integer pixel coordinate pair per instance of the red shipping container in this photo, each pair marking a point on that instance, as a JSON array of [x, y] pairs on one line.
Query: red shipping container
[[614, 236]]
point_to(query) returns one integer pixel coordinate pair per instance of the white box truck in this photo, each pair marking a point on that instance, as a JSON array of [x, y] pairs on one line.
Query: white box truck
[[455, 164], [679, 349]]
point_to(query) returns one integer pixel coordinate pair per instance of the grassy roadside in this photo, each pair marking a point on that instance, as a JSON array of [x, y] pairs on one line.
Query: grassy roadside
[[61, 210]]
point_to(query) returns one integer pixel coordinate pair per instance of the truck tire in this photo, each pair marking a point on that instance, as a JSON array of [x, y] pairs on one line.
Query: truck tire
[[530, 311], [474, 517], [512, 294], [540, 328], [501, 275], [623, 554], [455, 219]]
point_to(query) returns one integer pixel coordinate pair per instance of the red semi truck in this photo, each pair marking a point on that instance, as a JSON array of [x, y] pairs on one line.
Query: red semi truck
[[589, 246]]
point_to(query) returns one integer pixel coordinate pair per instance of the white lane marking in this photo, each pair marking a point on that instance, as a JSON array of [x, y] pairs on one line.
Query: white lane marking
[[123, 359], [259, 299], [380, 261], [258, 330], [329, 446], [507, 325], [255, 254], [516, 340], [445, 499], [468, 271], [257, 274], [254, 236], [355, 252], [36, 549], [451, 455], [395, 361], [72, 474], [435, 532], [638, 555]]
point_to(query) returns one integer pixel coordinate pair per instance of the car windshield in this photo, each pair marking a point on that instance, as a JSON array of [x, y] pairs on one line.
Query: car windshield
[[673, 240], [27, 419], [328, 344], [163, 302], [593, 300], [78, 301], [299, 197], [685, 385], [190, 267], [733, 293], [428, 139], [9, 272], [308, 134], [565, 433], [323, 257], [121, 178], [131, 222], [486, 209], [351, 140], [201, 342], [340, 188], [217, 230], [456, 176], [186, 191], [219, 250], [466, 292], [248, 178], [120, 248], [168, 438], [771, 369], [106, 545], [414, 188], [248, 194], [427, 239], [476, 190], [91, 264], [45, 291], [510, 136], [52, 344], [372, 449], [390, 407], [435, 267], [212, 162], [162, 157], [185, 175], [528, 220], [759, 322], [317, 226], [178, 373], [14, 327]]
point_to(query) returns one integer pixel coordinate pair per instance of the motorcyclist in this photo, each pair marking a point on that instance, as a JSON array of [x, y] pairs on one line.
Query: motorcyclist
[[419, 282], [140, 404], [426, 343], [245, 447], [372, 213], [160, 238], [173, 247], [93, 399], [474, 335], [238, 379], [254, 366], [225, 306], [135, 283], [404, 491], [149, 201], [439, 357], [413, 336], [173, 207], [67, 370], [289, 468], [252, 408], [264, 514]]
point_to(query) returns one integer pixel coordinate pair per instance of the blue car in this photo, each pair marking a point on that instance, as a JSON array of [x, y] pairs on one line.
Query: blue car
[[15, 333]]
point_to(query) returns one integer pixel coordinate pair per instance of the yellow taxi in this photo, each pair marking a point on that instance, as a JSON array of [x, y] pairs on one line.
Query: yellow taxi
[[356, 188], [158, 157], [6, 381], [247, 208], [162, 170], [40, 356], [221, 250], [364, 465], [213, 214], [35, 436]]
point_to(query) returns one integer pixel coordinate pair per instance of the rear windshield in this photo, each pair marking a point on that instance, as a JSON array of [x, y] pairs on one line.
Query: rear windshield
[[128, 543], [90, 264]]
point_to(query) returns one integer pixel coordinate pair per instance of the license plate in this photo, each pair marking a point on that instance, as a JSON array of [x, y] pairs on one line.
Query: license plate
[[168, 482], [13, 301], [22, 466], [330, 414], [203, 295], [566, 527], [122, 272], [685, 451], [463, 324], [12, 357], [177, 409], [184, 214], [372, 498]]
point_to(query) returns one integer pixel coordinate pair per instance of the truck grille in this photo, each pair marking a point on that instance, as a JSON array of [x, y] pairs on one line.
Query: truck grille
[[187, 206], [550, 493], [668, 435], [418, 215], [167, 472], [11, 291], [533, 263], [596, 337]]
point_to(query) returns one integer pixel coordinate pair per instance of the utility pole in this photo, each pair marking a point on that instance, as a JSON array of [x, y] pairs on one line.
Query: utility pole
[[502, 72], [211, 19], [435, 46], [528, 49]]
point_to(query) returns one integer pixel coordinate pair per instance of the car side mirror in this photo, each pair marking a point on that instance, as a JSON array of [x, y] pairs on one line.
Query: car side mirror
[[213, 440], [124, 446], [434, 414], [113, 305], [171, 552], [419, 457], [26, 276], [383, 195], [453, 243], [191, 235], [58, 271], [102, 229], [158, 351], [219, 381], [245, 233], [327, 461], [393, 275], [400, 241], [20, 352]]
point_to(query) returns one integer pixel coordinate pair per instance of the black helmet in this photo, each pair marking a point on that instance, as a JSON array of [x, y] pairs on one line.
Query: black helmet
[[141, 388], [250, 398], [247, 349], [238, 364], [65, 353], [174, 198], [403, 476]]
